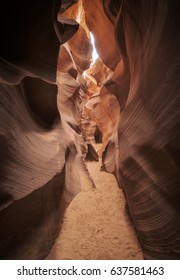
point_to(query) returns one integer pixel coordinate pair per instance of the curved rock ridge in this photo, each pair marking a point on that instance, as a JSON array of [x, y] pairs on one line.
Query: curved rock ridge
[[41, 155], [103, 32], [145, 153], [53, 102], [71, 65], [102, 109]]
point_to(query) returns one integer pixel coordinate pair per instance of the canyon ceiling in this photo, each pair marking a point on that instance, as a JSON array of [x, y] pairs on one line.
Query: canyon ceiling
[[54, 105]]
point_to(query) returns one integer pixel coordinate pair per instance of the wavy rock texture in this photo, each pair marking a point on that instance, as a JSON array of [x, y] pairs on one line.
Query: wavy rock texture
[[148, 148], [102, 108], [40, 154], [103, 30], [136, 106], [71, 65]]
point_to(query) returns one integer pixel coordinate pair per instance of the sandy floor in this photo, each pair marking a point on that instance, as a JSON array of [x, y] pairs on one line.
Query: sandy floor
[[96, 225]]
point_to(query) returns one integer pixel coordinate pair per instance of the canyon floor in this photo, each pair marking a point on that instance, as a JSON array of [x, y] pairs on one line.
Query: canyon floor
[[96, 225]]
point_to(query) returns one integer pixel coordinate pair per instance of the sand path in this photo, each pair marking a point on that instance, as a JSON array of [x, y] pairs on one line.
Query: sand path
[[96, 225]]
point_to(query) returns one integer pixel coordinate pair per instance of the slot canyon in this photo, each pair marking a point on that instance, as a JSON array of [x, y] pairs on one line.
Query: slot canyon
[[90, 146]]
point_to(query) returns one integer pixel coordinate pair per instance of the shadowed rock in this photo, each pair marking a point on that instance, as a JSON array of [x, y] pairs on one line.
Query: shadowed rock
[[37, 147], [147, 153]]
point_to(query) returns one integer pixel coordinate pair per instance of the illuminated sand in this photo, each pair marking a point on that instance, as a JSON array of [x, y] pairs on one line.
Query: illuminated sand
[[96, 225]]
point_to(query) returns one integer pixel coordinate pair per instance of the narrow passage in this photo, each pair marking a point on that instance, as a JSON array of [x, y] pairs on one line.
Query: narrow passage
[[96, 225]]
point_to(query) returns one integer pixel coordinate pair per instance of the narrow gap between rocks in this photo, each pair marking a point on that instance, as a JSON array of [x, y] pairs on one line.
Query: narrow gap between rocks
[[96, 224]]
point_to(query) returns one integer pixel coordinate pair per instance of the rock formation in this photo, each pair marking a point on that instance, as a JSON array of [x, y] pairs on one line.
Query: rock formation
[[148, 135], [40, 153], [51, 105]]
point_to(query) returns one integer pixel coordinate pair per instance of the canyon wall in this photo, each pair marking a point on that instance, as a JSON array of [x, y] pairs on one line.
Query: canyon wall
[[52, 104]]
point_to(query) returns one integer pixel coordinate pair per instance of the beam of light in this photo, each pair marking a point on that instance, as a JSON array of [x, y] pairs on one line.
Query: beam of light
[[94, 54]]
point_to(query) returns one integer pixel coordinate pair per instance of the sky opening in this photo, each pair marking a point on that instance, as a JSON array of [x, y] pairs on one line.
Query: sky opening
[[94, 54]]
